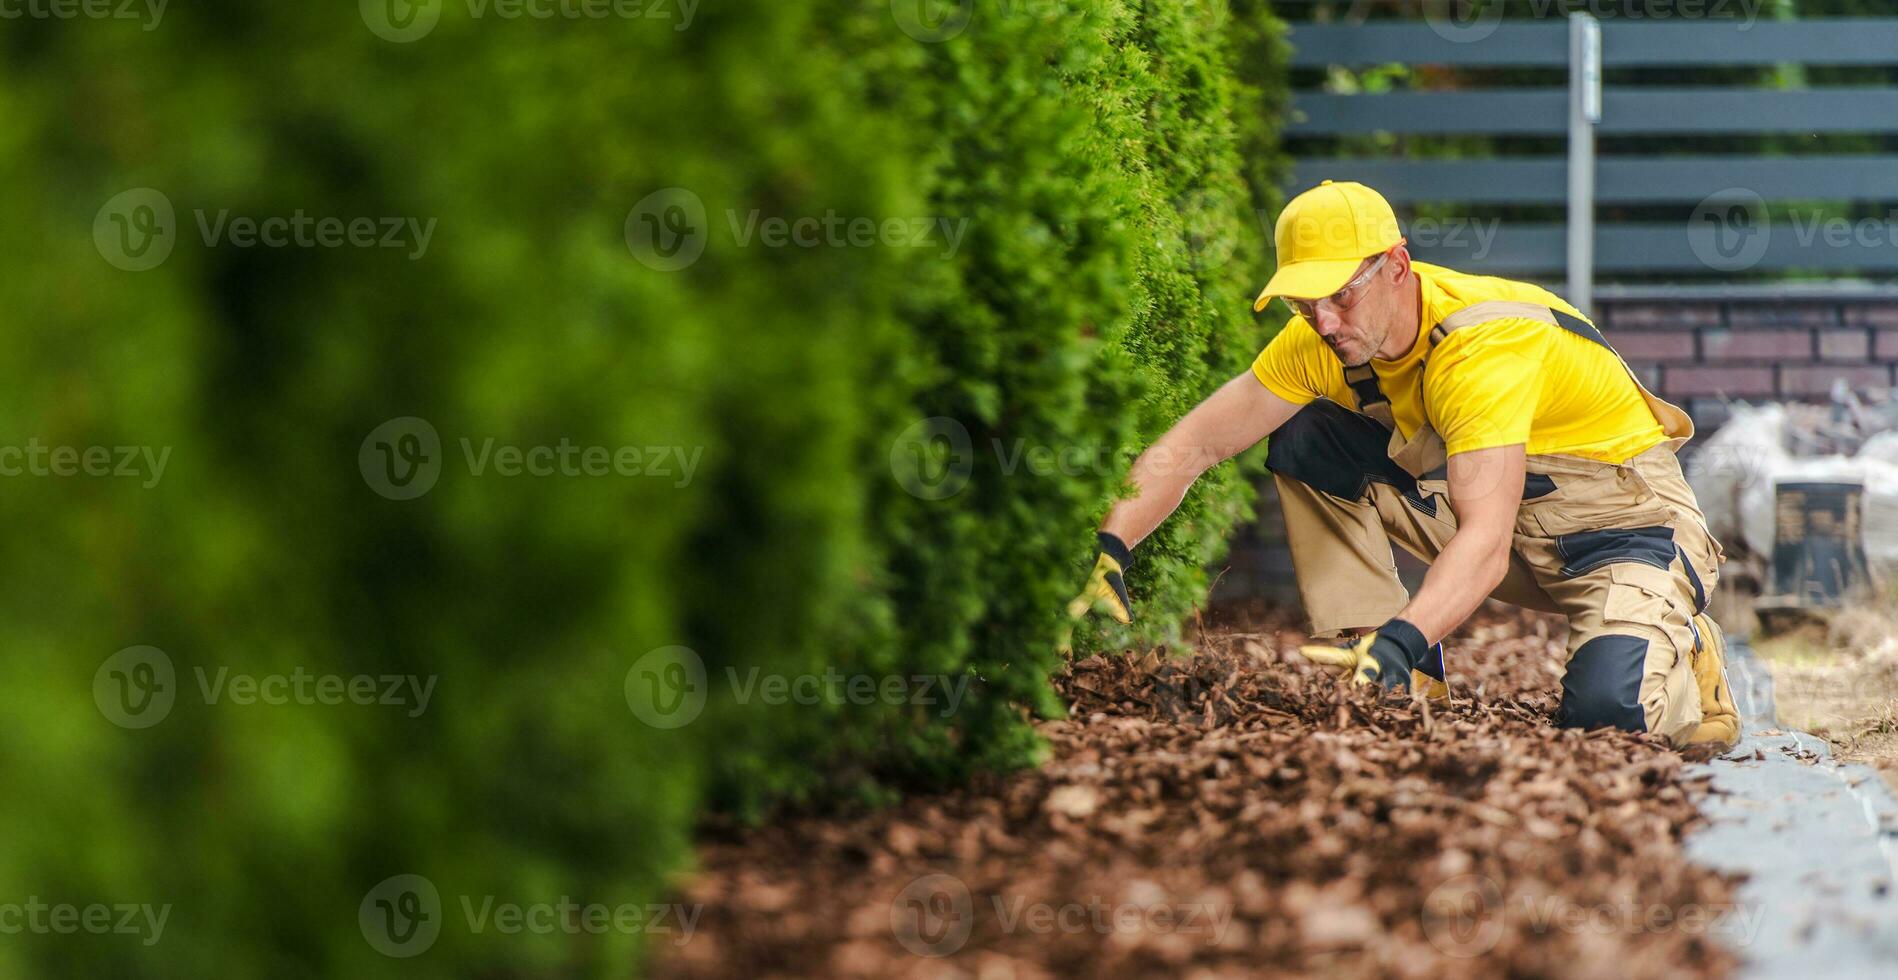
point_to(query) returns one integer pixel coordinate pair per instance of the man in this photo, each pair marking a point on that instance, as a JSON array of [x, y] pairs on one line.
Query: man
[[1487, 427]]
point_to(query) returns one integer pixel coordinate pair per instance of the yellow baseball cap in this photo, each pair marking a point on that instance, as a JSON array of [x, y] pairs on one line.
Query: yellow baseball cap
[[1323, 235]]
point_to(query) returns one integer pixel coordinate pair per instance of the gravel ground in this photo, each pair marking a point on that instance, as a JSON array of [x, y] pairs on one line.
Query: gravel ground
[[1232, 812]]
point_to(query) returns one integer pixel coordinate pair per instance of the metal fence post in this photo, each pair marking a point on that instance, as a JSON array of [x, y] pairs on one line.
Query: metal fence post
[[1584, 89]]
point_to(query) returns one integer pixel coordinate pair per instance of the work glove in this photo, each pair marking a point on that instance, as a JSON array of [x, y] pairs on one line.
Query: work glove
[[1386, 655], [1428, 678], [1106, 590]]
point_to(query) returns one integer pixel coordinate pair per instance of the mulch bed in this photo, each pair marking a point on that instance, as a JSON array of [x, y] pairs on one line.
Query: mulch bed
[[1236, 813]]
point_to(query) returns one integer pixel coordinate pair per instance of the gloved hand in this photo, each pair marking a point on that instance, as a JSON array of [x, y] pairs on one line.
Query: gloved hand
[[1385, 655], [1105, 589], [1428, 678]]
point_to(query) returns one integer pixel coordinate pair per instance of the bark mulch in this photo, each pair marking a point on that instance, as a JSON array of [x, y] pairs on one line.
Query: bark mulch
[[1236, 813]]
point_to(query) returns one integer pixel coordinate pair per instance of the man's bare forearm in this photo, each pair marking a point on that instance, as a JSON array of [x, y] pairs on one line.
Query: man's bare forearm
[[1468, 569], [1485, 492], [1229, 421], [1159, 487]]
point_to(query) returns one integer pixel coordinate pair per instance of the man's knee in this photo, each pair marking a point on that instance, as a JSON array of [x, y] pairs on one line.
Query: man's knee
[[1329, 447], [1602, 686]]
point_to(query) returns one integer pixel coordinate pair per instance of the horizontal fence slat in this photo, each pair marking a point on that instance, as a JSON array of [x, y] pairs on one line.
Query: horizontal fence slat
[[1476, 181], [1625, 43], [1519, 111], [1841, 41], [1639, 180], [1644, 180], [1489, 249], [1527, 249], [1415, 42], [1854, 109]]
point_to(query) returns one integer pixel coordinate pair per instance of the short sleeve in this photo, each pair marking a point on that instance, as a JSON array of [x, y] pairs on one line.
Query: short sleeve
[[1285, 366], [1482, 384]]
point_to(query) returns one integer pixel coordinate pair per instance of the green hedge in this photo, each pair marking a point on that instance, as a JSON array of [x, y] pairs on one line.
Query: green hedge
[[1104, 162]]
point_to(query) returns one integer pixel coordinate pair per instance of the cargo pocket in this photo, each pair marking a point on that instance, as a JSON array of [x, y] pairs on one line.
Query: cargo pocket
[[1640, 593], [1701, 554], [1647, 602], [1584, 551], [1651, 597], [1592, 504]]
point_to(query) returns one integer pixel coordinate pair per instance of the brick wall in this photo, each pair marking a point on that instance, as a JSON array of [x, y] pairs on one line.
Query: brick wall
[[1699, 353]]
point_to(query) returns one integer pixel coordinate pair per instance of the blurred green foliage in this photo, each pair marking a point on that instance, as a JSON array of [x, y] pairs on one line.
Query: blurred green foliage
[[1106, 162]]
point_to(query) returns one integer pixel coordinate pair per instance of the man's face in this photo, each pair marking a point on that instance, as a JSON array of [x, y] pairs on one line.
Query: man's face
[[1357, 320]]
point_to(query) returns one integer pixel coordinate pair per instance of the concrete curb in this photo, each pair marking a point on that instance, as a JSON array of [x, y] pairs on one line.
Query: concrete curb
[[1818, 840]]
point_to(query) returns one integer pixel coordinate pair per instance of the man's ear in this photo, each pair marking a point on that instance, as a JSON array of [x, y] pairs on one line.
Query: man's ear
[[1400, 260]]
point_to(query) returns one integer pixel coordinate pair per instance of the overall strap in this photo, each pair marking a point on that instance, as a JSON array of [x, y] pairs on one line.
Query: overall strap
[[1371, 400], [1674, 422], [1498, 309], [1363, 380]]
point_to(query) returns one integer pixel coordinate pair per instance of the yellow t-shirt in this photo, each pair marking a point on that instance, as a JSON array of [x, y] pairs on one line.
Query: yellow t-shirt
[[1500, 382]]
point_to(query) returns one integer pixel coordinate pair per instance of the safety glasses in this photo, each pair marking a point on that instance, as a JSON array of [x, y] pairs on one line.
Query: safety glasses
[[1345, 298]]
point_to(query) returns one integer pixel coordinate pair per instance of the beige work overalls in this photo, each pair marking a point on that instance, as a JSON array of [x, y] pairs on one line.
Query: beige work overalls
[[1621, 550]]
